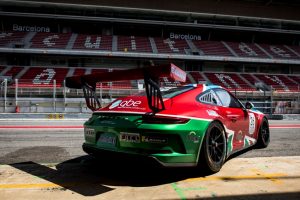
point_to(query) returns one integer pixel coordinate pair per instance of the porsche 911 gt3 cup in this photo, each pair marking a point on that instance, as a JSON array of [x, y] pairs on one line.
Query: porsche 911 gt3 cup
[[189, 125]]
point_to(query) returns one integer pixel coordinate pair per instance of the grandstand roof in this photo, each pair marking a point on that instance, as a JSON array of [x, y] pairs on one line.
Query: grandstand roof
[[274, 9]]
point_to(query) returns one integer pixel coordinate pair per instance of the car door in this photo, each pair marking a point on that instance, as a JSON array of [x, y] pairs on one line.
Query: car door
[[236, 120]]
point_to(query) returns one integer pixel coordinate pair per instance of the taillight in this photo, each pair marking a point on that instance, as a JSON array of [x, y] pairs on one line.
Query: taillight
[[164, 120]]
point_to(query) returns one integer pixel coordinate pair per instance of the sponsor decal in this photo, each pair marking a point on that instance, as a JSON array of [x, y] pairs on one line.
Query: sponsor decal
[[130, 137], [239, 136], [107, 122], [251, 123], [154, 139], [89, 132], [249, 141], [177, 73], [212, 113], [230, 136], [126, 104], [115, 104], [184, 36], [193, 137], [107, 139], [17, 27]]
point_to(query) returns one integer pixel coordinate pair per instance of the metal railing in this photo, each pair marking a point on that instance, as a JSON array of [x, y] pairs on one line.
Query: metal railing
[[27, 97]]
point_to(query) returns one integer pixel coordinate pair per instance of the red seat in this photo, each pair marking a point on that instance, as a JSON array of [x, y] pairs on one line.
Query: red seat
[[43, 77], [247, 50], [166, 45], [50, 40], [13, 72], [134, 44], [197, 77], [9, 38], [228, 80], [279, 51], [213, 48], [278, 81], [93, 42]]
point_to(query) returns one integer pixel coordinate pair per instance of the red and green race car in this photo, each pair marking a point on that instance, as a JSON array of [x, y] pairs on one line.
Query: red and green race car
[[190, 125]]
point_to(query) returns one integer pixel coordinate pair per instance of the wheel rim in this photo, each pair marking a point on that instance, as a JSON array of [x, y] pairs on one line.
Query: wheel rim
[[265, 135], [216, 145]]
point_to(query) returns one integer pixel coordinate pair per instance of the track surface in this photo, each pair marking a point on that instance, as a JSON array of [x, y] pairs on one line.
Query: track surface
[[49, 162], [62, 143]]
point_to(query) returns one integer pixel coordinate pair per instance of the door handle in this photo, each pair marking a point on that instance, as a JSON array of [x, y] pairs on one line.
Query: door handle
[[233, 118]]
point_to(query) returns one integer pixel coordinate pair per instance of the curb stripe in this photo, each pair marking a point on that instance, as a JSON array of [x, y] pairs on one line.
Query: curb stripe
[[292, 126], [210, 178]]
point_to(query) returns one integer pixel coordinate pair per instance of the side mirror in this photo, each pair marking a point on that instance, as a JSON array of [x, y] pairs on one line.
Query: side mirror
[[249, 105]]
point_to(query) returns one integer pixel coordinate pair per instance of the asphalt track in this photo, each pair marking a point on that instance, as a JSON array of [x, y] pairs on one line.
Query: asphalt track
[[48, 141], [44, 157]]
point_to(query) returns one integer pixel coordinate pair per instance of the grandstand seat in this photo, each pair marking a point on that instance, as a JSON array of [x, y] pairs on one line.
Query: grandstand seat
[[296, 49], [279, 51], [13, 72], [100, 85], [43, 77], [8, 39], [278, 82], [228, 80], [249, 78], [213, 48], [295, 78], [121, 84], [1, 68], [93, 42], [247, 50], [171, 45], [79, 72], [50, 40], [198, 78], [134, 44]]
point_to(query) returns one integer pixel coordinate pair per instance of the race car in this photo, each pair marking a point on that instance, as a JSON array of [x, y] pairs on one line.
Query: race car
[[191, 125]]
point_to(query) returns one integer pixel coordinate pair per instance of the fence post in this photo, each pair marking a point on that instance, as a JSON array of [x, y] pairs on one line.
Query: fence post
[[5, 94], [65, 95], [16, 93], [271, 99], [100, 95], [54, 95]]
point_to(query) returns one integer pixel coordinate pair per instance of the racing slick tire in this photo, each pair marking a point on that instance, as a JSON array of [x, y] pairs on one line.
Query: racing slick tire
[[213, 150], [263, 138]]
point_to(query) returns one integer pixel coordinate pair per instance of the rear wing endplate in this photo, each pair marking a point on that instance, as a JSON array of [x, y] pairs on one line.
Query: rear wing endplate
[[150, 75]]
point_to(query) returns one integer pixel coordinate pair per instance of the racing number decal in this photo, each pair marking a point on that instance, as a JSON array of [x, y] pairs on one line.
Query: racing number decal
[[251, 123]]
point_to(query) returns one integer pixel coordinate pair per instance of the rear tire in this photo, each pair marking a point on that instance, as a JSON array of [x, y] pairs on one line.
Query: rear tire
[[213, 150], [263, 139]]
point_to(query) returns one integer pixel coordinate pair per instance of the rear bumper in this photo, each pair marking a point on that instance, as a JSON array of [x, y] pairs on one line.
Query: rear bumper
[[165, 161]]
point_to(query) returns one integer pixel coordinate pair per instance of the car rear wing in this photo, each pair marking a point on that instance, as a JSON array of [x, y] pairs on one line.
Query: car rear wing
[[150, 75]]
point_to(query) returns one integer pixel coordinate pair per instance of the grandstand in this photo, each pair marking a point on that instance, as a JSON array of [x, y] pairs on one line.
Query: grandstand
[[256, 55]]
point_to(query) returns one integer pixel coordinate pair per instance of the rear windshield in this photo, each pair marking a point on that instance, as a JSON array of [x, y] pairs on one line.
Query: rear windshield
[[169, 93]]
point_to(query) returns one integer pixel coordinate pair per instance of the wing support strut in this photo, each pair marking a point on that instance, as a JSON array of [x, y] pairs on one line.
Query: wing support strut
[[154, 96]]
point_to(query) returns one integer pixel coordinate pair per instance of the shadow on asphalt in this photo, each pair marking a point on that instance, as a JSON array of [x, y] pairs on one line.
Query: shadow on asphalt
[[89, 176]]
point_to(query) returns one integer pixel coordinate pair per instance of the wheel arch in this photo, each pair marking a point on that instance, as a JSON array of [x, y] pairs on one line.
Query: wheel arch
[[200, 146]]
